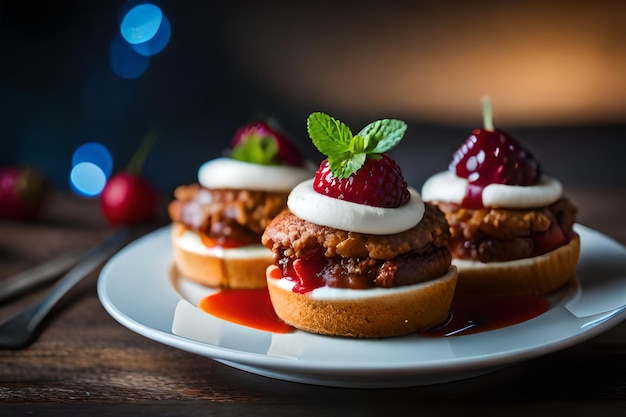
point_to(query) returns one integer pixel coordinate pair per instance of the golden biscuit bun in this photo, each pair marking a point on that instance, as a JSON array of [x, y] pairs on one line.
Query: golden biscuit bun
[[539, 275], [404, 310], [218, 272]]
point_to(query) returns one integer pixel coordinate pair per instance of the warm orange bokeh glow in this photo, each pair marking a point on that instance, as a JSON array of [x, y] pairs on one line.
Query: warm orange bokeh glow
[[542, 63]]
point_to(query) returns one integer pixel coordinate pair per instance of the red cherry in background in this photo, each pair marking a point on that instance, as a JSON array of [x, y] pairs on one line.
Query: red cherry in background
[[22, 192], [128, 199]]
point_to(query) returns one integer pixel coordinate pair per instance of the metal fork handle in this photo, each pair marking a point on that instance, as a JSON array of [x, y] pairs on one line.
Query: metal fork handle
[[27, 321], [84, 267], [22, 282]]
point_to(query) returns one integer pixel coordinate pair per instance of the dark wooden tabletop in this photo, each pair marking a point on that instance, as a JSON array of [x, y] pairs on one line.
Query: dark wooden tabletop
[[86, 363]]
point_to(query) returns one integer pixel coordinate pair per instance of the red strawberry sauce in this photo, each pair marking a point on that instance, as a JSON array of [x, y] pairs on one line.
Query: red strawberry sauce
[[251, 308], [469, 314]]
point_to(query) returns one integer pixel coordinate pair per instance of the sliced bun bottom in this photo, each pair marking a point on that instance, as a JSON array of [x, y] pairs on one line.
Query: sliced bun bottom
[[539, 275], [217, 272], [404, 310]]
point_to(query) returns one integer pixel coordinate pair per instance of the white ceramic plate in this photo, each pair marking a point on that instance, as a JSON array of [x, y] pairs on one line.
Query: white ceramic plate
[[136, 288]]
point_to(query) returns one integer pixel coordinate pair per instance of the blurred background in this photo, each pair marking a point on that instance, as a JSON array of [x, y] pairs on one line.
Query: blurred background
[[555, 71]]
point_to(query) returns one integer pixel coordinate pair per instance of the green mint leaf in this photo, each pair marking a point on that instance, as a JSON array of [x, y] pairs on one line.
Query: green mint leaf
[[330, 136], [346, 166], [382, 135], [357, 144], [257, 150], [346, 152]]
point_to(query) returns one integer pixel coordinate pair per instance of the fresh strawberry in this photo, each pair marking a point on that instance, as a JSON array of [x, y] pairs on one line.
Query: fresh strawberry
[[356, 168], [22, 191], [128, 198], [258, 142], [378, 183]]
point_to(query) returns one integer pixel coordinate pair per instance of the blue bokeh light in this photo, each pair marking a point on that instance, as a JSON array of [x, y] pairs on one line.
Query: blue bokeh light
[[124, 61], [141, 23], [96, 154], [158, 42], [87, 179], [144, 31], [92, 165]]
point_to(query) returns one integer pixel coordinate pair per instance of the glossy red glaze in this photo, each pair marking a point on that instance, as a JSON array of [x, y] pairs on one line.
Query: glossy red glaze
[[480, 313], [305, 273], [469, 314], [492, 157]]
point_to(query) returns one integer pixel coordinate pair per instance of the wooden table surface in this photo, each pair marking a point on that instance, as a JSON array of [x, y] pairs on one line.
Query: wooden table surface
[[86, 363]]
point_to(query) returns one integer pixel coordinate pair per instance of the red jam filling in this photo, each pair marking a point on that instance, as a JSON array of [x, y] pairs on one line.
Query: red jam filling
[[304, 273], [317, 271], [550, 240], [226, 242]]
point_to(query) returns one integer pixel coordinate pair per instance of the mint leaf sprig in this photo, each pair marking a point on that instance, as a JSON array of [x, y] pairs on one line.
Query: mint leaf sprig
[[346, 152]]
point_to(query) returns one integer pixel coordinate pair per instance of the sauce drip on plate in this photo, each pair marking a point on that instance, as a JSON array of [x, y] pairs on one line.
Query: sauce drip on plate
[[468, 314], [251, 308], [480, 313]]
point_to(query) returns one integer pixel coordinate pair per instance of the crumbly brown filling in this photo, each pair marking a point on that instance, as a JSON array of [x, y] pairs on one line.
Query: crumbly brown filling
[[237, 214], [407, 269], [491, 235], [346, 259]]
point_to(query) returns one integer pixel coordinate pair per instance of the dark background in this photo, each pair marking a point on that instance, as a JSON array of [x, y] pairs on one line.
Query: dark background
[[556, 73]]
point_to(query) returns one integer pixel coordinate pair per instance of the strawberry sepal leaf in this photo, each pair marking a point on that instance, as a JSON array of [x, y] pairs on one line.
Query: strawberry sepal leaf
[[257, 150]]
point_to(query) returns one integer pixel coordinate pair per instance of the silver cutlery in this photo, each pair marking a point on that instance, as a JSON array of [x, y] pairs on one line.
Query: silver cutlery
[[21, 329], [18, 284]]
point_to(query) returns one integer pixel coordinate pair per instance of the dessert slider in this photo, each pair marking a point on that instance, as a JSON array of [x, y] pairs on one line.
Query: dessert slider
[[217, 223], [357, 253], [511, 227]]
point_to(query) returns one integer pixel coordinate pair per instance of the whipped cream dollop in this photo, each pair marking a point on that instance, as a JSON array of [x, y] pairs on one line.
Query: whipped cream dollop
[[447, 187], [239, 175], [317, 208]]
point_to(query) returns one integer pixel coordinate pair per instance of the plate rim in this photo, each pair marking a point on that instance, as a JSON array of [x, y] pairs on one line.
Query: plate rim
[[268, 365]]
